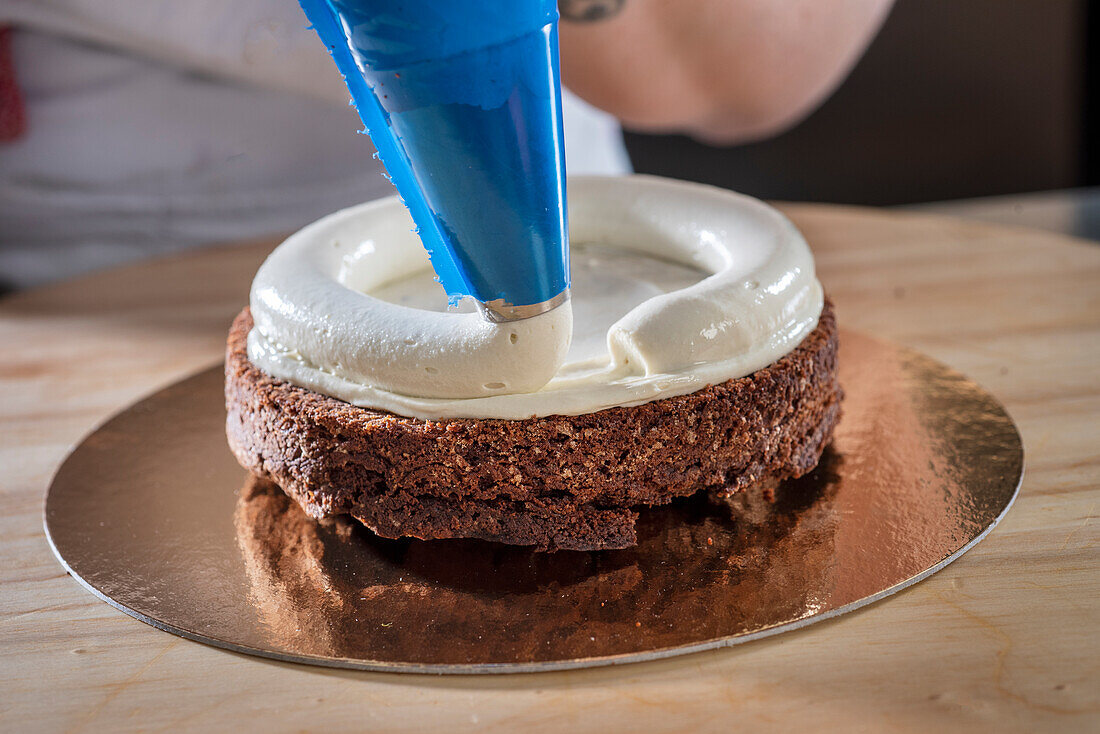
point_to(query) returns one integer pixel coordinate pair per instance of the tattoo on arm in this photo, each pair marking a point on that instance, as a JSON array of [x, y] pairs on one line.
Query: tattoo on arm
[[587, 11]]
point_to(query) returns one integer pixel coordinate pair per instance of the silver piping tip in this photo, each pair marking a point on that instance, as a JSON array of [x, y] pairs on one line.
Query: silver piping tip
[[499, 311]]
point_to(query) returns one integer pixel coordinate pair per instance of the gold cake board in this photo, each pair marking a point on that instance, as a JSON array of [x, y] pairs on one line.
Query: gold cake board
[[153, 515]]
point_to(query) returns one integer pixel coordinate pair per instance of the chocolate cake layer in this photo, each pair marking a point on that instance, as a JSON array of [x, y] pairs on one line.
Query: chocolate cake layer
[[555, 482]]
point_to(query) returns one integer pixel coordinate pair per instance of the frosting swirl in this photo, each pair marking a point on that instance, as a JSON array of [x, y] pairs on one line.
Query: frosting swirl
[[722, 286]]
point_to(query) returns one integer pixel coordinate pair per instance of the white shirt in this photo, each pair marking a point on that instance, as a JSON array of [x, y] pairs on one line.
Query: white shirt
[[164, 124]]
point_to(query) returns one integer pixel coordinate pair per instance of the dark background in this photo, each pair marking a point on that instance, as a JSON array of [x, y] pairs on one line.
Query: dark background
[[955, 98]]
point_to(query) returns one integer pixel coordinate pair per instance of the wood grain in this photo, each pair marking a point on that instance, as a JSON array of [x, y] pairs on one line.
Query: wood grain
[[1005, 639]]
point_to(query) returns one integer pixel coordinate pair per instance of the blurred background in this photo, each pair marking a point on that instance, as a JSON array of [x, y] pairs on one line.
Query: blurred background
[[977, 108], [955, 99]]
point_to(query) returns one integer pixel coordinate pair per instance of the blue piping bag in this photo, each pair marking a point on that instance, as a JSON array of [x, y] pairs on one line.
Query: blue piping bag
[[463, 103]]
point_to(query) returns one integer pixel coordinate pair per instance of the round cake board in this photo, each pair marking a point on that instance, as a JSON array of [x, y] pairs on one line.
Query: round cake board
[[153, 514]]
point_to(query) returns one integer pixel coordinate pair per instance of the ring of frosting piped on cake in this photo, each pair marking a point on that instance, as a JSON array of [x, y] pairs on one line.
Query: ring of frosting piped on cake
[[702, 358]]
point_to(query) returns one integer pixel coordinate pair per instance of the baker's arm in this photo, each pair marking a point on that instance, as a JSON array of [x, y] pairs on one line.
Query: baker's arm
[[724, 70], [730, 70]]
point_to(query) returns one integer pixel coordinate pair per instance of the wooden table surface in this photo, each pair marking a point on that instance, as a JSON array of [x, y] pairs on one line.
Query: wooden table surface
[[1006, 639]]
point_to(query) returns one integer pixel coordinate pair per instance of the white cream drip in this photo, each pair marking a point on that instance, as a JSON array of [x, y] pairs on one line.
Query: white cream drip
[[675, 286]]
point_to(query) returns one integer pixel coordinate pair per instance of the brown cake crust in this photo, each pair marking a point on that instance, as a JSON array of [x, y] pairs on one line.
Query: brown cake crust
[[571, 482]]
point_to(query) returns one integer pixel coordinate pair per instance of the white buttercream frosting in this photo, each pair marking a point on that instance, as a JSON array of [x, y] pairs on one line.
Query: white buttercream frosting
[[675, 286]]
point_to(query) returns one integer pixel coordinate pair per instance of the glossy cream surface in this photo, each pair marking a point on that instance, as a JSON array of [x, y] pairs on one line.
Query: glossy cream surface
[[675, 286]]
